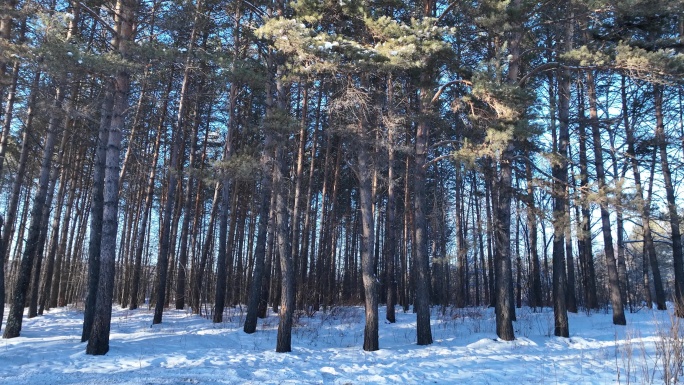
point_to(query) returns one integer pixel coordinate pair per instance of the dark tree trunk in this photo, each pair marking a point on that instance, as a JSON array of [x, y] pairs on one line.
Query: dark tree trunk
[[96, 209], [422, 262], [15, 316], [561, 219], [40, 252], [255, 292], [502, 249], [98, 343], [370, 286], [58, 243], [284, 338], [11, 212], [390, 235]]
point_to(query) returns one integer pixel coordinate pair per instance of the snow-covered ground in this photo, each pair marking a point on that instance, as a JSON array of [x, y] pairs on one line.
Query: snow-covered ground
[[188, 349]]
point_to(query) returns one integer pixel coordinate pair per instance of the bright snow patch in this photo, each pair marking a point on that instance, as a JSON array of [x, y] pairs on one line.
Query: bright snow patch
[[327, 349]]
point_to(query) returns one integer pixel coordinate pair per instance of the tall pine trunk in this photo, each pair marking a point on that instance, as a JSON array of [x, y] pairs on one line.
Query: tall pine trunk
[[98, 343], [677, 258], [611, 264]]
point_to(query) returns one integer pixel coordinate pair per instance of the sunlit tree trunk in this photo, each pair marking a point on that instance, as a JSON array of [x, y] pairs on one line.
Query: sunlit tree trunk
[[677, 258]]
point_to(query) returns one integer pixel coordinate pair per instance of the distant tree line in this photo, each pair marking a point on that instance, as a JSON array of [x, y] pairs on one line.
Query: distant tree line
[[301, 155]]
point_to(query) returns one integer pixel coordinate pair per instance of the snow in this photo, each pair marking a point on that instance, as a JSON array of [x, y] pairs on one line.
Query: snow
[[189, 349]]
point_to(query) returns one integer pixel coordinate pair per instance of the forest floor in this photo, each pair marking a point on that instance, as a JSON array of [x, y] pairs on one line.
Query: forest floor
[[189, 349]]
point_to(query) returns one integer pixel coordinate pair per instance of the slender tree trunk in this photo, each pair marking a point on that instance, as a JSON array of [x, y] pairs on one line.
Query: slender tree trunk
[[489, 200], [616, 298], [11, 213], [308, 246], [364, 175], [6, 21], [15, 316], [422, 262], [298, 257], [198, 278], [621, 263], [96, 212], [677, 258], [5, 28], [585, 237], [40, 252], [391, 225], [58, 244], [644, 207], [266, 280], [461, 250], [255, 292], [502, 248], [284, 338], [503, 192], [185, 226], [536, 299], [480, 238], [147, 207]]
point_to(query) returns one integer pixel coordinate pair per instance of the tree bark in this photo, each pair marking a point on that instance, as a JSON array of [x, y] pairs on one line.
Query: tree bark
[[96, 212], [422, 262], [616, 298], [11, 212], [364, 175], [585, 237], [15, 316], [255, 292], [677, 257], [98, 343]]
